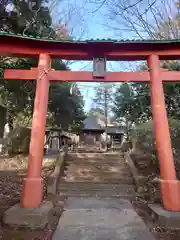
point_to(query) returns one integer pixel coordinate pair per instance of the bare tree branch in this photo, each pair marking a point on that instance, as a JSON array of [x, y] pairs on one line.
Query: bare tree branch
[[132, 5], [100, 6], [152, 18]]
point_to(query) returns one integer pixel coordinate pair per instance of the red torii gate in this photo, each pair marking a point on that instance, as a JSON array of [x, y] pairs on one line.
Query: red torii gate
[[151, 51]]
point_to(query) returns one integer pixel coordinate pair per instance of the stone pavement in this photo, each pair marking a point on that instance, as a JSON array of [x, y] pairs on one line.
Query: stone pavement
[[98, 219]]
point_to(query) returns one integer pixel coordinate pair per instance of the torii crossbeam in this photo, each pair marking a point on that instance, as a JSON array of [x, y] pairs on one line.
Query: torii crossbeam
[[83, 76], [150, 51]]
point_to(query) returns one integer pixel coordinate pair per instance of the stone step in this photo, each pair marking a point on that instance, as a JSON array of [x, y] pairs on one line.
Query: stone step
[[100, 158], [103, 195], [94, 162], [98, 175], [93, 173], [97, 167], [84, 161], [97, 190], [96, 155], [107, 161], [96, 186], [99, 180], [88, 151], [101, 167], [85, 170]]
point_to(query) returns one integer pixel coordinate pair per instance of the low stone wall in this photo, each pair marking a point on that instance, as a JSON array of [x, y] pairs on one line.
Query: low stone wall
[[138, 180], [147, 186], [58, 170]]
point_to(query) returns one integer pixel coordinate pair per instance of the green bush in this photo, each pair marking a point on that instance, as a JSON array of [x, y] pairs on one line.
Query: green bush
[[19, 139], [145, 139]]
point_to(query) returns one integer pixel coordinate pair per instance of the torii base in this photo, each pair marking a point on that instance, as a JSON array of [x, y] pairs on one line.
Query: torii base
[[165, 218], [34, 218], [32, 193]]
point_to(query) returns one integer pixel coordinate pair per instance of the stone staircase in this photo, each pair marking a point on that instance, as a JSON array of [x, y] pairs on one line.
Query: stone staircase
[[95, 174]]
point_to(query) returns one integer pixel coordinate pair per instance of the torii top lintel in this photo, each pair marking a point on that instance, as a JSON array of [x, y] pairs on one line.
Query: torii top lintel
[[26, 46]]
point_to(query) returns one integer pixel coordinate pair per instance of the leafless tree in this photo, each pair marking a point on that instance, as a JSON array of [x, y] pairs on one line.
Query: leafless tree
[[69, 20], [154, 19], [70, 13], [139, 19]]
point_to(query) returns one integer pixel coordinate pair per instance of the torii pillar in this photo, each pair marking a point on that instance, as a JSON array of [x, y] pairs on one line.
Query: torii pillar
[[33, 183], [170, 187]]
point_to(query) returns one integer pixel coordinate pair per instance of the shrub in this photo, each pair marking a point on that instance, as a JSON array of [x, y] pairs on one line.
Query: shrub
[[19, 139], [145, 139]]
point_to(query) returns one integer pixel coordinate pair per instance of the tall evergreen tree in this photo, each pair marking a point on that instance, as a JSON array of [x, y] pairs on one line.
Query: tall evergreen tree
[[30, 17], [33, 18]]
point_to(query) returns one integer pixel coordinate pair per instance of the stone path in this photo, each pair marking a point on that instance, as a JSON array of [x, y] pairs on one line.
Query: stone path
[[98, 219]]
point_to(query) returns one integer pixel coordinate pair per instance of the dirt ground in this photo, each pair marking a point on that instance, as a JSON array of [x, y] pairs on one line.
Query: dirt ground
[[12, 172], [159, 232], [150, 172]]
